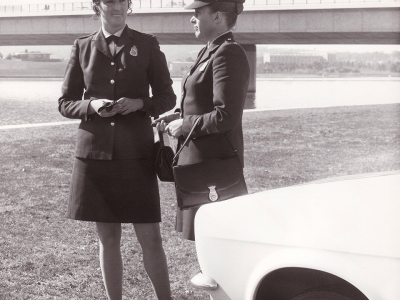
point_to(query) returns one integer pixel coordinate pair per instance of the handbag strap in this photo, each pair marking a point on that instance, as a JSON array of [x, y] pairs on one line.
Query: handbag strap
[[187, 141], [161, 138]]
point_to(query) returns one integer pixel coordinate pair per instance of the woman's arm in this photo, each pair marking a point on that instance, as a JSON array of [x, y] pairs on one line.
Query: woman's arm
[[163, 98], [70, 104], [230, 69]]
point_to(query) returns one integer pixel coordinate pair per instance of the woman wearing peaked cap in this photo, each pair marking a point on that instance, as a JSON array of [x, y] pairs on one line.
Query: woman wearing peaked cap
[[214, 91], [106, 85]]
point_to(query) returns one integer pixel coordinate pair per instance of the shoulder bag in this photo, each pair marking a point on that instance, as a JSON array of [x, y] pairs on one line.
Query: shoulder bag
[[164, 160], [210, 181]]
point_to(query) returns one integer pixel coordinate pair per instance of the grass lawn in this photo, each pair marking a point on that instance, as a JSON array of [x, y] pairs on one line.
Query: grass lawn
[[43, 255]]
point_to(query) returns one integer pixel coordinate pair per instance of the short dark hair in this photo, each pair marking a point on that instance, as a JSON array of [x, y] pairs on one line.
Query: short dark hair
[[230, 9], [96, 3]]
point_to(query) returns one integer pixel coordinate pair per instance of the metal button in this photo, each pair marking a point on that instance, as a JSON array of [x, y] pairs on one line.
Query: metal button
[[112, 81], [112, 123], [112, 63]]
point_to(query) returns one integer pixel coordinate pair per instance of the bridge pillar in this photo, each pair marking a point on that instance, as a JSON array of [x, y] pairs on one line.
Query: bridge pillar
[[251, 52]]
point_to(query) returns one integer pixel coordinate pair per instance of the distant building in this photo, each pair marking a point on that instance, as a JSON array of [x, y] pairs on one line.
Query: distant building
[[179, 68], [297, 58], [33, 56], [331, 57]]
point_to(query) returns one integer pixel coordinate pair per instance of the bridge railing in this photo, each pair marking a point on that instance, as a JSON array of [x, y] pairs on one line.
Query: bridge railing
[[43, 7], [86, 6]]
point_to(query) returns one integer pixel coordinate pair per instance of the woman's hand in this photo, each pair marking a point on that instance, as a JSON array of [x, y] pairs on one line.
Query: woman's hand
[[168, 118], [174, 128], [97, 105], [161, 126], [161, 123], [129, 105]]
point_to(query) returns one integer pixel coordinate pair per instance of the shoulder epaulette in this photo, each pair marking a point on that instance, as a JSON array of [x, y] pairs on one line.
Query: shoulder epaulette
[[142, 33], [230, 40], [86, 36], [147, 34]]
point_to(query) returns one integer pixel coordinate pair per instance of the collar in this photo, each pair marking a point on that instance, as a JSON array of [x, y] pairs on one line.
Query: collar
[[208, 44], [118, 33], [99, 40]]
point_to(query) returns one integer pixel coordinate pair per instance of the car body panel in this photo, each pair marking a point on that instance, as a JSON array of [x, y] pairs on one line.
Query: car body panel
[[349, 227]]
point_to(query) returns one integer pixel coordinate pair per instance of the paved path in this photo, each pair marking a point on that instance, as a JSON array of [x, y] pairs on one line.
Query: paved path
[[283, 93], [38, 124], [17, 126]]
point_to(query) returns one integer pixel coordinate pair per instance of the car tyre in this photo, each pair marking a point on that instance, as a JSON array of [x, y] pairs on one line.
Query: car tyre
[[322, 295], [325, 293]]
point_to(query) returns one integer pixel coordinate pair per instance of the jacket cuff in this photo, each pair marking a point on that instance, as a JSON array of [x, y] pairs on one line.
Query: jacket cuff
[[147, 107], [85, 109], [187, 125]]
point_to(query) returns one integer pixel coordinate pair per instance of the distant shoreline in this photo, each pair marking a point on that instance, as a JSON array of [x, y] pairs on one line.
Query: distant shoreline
[[33, 78], [276, 77], [33, 70]]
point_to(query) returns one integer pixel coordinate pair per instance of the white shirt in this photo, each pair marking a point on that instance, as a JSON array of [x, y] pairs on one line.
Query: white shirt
[[112, 46]]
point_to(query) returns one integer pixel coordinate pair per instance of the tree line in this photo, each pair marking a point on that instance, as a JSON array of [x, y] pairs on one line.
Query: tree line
[[345, 62]]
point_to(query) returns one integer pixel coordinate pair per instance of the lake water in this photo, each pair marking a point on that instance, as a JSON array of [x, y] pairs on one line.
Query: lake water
[[272, 94]]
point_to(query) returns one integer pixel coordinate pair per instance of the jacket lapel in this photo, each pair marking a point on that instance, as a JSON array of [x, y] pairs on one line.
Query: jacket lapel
[[199, 57], [191, 70], [124, 39], [213, 47], [101, 44], [210, 50], [99, 41]]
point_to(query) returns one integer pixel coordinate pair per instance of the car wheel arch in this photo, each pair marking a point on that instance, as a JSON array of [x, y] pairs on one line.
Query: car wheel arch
[[287, 283], [284, 263]]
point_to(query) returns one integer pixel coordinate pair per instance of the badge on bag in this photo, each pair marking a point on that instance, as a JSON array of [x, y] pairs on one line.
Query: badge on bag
[[134, 51], [213, 195]]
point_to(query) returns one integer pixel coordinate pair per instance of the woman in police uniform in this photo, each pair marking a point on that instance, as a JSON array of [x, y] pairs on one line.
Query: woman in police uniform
[[213, 91], [106, 85]]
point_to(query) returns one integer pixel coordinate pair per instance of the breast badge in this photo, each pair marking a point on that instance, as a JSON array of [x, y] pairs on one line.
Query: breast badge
[[203, 66], [134, 51]]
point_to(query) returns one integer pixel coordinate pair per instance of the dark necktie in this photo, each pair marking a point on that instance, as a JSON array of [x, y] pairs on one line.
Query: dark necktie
[[113, 47], [112, 38]]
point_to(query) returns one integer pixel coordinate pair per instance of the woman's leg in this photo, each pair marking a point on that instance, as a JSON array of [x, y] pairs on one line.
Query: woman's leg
[[155, 262], [110, 258]]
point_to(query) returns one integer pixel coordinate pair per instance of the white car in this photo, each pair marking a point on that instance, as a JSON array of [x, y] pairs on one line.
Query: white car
[[335, 239]]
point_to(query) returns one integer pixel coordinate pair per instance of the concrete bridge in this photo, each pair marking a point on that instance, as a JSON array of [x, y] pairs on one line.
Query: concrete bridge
[[356, 22], [282, 22]]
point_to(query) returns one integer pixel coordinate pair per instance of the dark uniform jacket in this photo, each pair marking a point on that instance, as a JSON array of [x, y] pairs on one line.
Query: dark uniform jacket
[[215, 91], [93, 73]]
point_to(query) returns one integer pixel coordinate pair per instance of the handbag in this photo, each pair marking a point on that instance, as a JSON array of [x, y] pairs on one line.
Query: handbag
[[164, 160], [210, 181]]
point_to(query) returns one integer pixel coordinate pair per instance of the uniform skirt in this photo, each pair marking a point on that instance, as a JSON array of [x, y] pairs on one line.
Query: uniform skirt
[[185, 222], [114, 191]]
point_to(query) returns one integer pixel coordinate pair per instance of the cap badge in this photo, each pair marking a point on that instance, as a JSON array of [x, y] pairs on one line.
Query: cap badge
[[134, 51]]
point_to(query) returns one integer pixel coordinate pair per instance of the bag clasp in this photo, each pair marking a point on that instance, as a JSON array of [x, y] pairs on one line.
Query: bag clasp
[[213, 195]]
